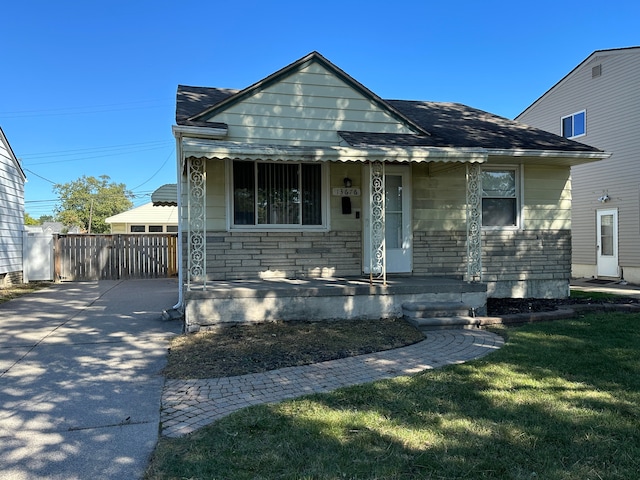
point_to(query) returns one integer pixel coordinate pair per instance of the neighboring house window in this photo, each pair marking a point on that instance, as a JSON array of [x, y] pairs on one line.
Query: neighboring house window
[[137, 229], [500, 197], [172, 228], [275, 194], [574, 125], [155, 228]]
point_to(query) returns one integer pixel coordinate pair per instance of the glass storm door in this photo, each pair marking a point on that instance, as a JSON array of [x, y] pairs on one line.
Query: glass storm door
[[397, 210], [607, 248]]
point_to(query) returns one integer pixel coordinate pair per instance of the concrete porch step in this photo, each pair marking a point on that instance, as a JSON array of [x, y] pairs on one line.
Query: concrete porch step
[[434, 315]]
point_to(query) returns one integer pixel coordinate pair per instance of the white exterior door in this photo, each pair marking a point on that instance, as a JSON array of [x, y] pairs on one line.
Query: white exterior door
[[398, 236], [607, 248]]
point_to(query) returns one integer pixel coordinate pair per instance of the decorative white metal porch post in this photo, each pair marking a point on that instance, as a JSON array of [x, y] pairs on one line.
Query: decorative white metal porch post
[[378, 254], [197, 235], [474, 223]]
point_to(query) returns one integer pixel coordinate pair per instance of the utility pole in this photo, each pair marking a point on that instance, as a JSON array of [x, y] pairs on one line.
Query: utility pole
[[90, 215]]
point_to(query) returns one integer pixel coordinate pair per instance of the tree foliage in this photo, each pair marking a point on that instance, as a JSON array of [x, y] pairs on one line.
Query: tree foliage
[[29, 220], [87, 201]]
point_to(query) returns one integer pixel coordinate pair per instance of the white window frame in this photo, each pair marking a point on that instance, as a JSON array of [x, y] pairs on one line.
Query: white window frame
[[573, 128], [325, 203], [519, 196]]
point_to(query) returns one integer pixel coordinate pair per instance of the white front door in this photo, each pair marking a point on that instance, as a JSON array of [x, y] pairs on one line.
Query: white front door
[[607, 248], [398, 237]]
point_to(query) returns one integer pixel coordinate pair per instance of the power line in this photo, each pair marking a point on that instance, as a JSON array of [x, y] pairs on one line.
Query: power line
[[157, 171], [40, 176], [115, 107]]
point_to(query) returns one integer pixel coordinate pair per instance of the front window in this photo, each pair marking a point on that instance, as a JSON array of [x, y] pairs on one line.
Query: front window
[[277, 193], [155, 228], [500, 197], [137, 229], [574, 125]]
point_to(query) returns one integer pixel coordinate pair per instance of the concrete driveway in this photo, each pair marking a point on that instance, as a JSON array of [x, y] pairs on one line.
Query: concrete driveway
[[80, 379]]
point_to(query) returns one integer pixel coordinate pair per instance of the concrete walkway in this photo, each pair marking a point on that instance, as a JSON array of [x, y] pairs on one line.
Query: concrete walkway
[[191, 404], [80, 379]]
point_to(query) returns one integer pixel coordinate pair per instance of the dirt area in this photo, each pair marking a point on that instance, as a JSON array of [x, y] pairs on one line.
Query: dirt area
[[241, 349]]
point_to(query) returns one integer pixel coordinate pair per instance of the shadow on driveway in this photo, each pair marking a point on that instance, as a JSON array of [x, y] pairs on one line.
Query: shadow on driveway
[[80, 379]]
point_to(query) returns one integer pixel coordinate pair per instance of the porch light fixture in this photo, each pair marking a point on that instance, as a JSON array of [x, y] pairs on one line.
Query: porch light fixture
[[347, 182], [604, 198]]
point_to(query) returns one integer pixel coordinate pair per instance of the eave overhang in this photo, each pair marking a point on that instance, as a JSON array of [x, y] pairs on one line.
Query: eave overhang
[[546, 157]]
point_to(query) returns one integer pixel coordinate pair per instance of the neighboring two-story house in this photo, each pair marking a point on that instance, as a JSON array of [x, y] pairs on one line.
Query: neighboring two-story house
[[598, 103]]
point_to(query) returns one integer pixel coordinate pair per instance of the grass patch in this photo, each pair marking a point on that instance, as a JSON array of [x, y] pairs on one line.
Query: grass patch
[[15, 291], [561, 400], [241, 349], [596, 296]]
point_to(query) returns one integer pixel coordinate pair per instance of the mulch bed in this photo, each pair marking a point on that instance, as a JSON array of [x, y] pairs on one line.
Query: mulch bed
[[509, 306]]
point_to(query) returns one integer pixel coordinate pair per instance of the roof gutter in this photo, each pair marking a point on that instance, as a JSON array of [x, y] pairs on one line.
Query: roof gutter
[[214, 133], [549, 157]]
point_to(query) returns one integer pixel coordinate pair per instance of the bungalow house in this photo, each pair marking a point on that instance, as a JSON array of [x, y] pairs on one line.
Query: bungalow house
[[305, 195], [146, 218], [12, 180], [598, 103]]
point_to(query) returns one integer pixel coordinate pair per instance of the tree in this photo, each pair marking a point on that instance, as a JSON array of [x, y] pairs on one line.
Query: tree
[[46, 218], [87, 201], [29, 220]]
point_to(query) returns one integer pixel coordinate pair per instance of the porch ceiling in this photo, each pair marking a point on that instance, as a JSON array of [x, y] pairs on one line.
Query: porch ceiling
[[403, 154]]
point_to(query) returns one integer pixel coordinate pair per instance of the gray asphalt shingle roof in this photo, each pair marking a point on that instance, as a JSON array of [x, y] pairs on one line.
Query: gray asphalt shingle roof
[[449, 125]]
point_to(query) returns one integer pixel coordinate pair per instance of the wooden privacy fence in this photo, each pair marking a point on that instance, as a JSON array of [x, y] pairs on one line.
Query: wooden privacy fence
[[112, 257]]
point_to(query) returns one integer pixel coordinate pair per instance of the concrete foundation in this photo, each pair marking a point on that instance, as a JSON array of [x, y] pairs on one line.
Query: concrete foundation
[[321, 299]]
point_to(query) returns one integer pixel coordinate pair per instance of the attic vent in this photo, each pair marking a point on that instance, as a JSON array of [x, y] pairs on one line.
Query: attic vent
[[596, 71]]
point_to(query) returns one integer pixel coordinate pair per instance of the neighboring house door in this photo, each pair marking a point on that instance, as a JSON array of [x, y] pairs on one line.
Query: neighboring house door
[[607, 249], [398, 238]]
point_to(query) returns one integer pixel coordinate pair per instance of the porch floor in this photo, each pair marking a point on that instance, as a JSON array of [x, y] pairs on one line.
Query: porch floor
[[321, 299]]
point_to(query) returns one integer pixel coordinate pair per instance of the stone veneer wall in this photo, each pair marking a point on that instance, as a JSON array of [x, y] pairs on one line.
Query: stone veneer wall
[[248, 255], [11, 278], [515, 263]]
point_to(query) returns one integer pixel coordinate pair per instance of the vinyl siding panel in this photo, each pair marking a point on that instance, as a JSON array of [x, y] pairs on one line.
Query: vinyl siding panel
[[439, 198], [307, 108], [11, 210], [612, 104], [547, 198]]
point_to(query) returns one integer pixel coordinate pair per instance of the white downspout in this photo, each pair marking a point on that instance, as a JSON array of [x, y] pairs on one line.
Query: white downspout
[[179, 306]]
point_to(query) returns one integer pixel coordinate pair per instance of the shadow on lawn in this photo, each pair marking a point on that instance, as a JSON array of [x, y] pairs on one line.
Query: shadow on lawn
[[561, 400]]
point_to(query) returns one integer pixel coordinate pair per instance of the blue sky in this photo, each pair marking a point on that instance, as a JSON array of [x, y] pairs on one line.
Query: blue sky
[[88, 87]]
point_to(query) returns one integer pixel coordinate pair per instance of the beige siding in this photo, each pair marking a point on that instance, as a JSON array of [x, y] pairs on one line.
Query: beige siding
[[547, 198], [358, 174], [216, 203], [439, 198], [612, 104], [306, 108]]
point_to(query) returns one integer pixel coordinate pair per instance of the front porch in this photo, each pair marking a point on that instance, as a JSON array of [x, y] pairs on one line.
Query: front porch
[[321, 299]]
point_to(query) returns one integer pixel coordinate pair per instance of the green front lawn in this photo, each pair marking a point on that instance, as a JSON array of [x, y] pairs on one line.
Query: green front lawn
[[560, 401]]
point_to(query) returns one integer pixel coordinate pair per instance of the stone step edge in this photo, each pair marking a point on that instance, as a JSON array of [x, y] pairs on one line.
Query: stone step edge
[[459, 321], [435, 309]]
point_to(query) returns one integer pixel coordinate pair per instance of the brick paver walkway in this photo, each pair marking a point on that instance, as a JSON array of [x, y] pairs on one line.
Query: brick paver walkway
[[188, 405]]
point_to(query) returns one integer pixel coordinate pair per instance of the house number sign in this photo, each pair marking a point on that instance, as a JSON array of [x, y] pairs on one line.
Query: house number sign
[[346, 192]]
